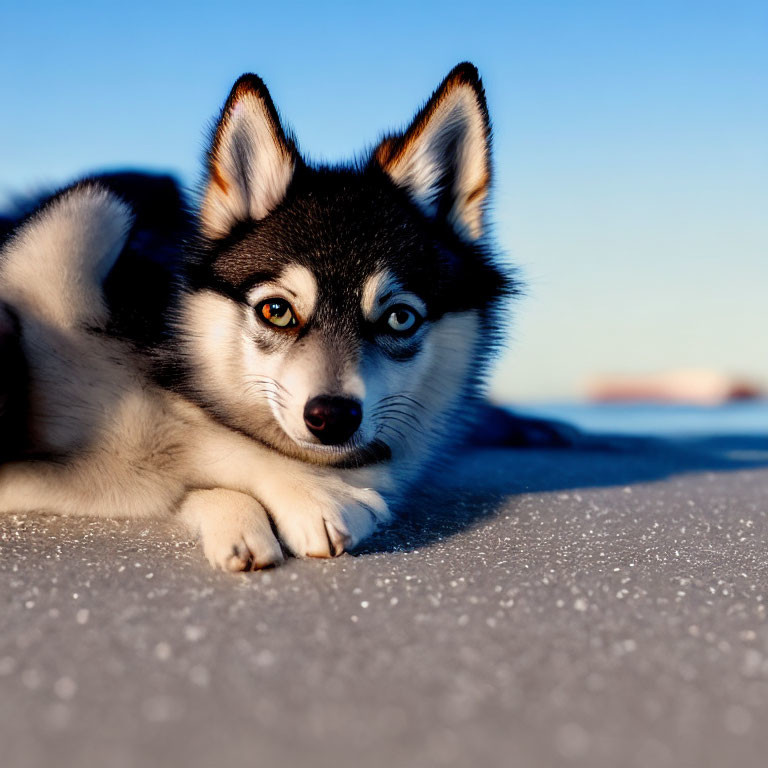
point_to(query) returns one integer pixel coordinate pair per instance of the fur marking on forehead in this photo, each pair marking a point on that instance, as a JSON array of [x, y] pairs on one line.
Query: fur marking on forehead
[[377, 289], [382, 289], [297, 282]]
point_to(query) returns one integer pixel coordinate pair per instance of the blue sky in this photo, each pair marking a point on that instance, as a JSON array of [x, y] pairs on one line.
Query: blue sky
[[631, 143]]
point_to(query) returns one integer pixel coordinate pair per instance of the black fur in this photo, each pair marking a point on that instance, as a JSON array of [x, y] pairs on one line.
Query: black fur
[[344, 224], [142, 286], [13, 387]]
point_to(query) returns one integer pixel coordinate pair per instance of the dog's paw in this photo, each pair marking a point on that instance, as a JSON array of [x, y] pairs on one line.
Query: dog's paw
[[325, 517], [234, 530], [242, 546]]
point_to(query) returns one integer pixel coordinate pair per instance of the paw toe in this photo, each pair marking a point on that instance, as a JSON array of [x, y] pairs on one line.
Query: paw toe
[[265, 554], [339, 540], [237, 561]]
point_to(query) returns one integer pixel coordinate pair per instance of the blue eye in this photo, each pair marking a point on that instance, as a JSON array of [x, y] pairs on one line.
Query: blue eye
[[277, 312], [402, 319]]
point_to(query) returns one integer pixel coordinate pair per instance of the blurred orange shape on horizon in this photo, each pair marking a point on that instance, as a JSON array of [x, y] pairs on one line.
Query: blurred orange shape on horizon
[[700, 387]]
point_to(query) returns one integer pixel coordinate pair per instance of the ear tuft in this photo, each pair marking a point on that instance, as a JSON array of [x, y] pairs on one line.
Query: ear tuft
[[443, 158], [251, 161]]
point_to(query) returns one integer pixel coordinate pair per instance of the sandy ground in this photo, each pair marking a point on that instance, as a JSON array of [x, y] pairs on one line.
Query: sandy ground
[[545, 608]]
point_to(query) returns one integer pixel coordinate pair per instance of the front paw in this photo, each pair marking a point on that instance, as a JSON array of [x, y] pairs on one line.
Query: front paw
[[326, 516], [234, 530]]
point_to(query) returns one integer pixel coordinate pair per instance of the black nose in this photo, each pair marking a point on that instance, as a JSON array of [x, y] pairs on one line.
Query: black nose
[[332, 420]]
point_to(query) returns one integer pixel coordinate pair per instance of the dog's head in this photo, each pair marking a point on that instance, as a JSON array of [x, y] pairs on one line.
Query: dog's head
[[341, 314]]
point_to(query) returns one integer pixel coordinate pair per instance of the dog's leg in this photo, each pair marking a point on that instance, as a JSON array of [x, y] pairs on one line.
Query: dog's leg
[[496, 426], [39, 486], [234, 529], [87, 488], [318, 511]]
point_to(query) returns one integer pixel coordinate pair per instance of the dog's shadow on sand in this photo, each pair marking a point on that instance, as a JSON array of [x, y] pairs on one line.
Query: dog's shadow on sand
[[477, 485]]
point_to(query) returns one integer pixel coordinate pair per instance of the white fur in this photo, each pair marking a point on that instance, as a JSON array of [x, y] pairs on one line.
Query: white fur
[[457, 118], [75, 242], [253, 164]]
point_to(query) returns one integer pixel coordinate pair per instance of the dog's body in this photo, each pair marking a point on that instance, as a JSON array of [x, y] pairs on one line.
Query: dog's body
[[329, 336]]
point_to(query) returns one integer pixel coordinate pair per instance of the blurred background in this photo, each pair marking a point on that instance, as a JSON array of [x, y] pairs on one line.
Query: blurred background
[[631, 151]]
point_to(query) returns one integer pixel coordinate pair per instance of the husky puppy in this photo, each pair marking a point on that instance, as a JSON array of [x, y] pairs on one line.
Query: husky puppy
[[329, 338]]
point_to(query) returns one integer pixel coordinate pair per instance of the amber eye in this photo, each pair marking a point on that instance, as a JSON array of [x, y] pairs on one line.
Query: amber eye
[[277, 312]]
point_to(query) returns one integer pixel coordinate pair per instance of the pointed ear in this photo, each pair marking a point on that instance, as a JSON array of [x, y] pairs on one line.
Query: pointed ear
[[250, 162], [443, 159]]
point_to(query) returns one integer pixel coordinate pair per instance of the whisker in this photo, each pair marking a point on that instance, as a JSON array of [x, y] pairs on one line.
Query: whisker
[[271, 394], [405, 414], [393, 430], [398, 420], [402, 396], [407, 419], [255, 385], [266, 380]]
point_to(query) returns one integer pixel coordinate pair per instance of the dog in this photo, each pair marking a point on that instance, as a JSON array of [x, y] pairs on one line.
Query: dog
[[324, 340]]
